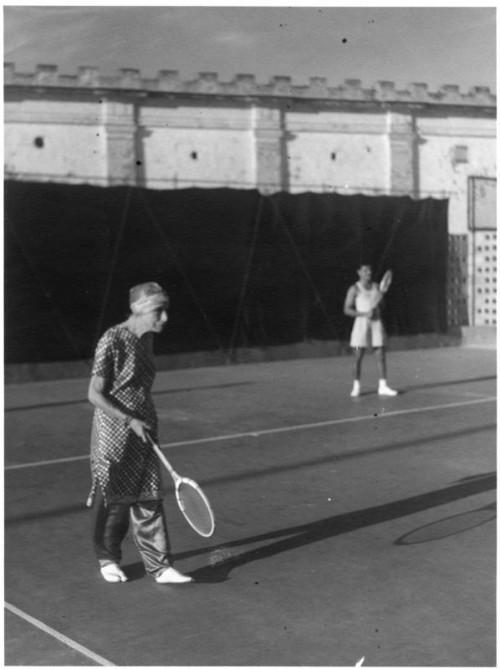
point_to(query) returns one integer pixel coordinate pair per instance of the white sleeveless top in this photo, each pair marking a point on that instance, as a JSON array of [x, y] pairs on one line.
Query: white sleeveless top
[[365, 298]]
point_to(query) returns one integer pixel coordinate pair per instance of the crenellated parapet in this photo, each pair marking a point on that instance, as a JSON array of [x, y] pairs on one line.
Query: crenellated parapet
[[245, 85]]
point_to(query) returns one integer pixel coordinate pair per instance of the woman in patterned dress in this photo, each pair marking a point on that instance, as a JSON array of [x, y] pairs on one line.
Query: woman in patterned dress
[[125, 469]]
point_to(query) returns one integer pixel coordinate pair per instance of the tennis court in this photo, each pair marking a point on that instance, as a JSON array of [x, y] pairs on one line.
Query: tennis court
[[345, 528]]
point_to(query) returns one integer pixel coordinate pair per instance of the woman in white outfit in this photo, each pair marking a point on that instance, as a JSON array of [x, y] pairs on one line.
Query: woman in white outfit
[[362, 303]]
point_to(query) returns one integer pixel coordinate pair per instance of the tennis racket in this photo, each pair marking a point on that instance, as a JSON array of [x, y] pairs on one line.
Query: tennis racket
[[386, 281], [191, 499]]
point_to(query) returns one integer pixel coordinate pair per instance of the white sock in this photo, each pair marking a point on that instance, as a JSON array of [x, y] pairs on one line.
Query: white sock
[[356, 385], [382, 383]]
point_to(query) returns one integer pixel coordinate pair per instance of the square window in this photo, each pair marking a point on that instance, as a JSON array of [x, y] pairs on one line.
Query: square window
[[460, 154]]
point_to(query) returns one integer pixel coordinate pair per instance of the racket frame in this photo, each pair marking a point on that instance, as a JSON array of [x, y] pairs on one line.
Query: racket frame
[[385, 282], [178, 480]]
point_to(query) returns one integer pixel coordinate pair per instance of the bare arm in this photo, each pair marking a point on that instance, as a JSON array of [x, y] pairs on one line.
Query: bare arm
[[96, 396]]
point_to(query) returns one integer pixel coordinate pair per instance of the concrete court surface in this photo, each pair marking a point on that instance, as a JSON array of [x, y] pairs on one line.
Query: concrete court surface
[[346, 528]]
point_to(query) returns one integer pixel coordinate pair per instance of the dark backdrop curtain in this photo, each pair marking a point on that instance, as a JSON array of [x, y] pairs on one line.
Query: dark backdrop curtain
[[241, 269]]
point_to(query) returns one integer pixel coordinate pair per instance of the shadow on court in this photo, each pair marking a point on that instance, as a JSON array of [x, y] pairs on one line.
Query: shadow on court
[[456, 382], [449, 526], [330, 527], [68, 403], [84, 401], [269, 470]]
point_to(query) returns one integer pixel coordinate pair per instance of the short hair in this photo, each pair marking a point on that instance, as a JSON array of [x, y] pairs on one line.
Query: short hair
[[147, 289]]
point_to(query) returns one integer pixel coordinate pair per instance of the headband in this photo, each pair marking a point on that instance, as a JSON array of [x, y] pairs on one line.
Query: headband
[[148, 303]]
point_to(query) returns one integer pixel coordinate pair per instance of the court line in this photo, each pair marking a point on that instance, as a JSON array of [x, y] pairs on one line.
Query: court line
[[275, 430], [60, 637]]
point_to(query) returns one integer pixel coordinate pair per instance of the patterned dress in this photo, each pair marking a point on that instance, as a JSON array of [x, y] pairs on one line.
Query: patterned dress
[[126, 469]]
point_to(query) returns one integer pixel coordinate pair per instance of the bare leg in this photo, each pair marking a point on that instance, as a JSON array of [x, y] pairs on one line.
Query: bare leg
[[357, 360], [381, 362]]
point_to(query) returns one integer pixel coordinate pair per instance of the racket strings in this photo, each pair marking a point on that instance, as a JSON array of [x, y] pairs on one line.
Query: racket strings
[[195, 508]]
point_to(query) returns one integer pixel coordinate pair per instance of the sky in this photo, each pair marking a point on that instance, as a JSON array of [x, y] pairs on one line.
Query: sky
[[434, 45]]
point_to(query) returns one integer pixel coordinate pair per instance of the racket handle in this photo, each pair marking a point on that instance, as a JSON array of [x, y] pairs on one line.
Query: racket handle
[[163, 459]]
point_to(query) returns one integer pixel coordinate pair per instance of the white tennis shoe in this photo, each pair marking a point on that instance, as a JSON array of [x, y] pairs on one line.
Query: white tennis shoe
[[112, 573], [388, 392], [356, 389], [171, 575]]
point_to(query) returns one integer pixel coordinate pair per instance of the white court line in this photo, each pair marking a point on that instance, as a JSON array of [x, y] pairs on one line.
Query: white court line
[[60, 637], [275, 430]]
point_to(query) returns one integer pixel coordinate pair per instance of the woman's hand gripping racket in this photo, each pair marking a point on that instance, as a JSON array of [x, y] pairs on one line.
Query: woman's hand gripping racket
[[190, 497]]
